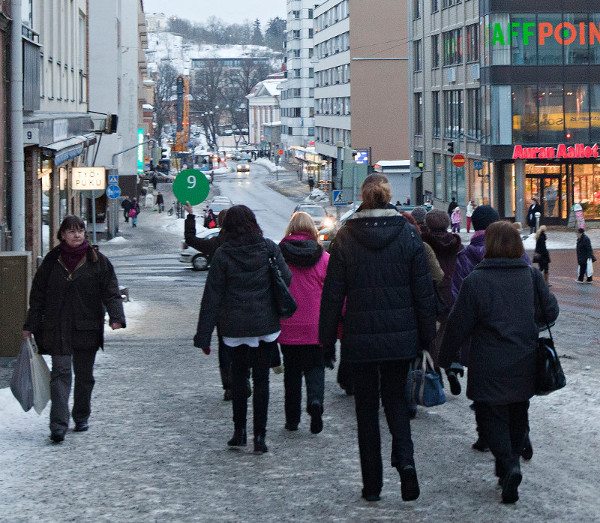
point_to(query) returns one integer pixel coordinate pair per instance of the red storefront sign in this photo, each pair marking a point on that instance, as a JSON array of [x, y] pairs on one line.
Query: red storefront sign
[[578, 150]]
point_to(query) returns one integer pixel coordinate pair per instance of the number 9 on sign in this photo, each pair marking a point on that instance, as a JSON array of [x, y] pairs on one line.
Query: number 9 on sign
[[191, 186]]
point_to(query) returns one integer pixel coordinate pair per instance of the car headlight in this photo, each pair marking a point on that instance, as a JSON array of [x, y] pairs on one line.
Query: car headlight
[[328, 222]]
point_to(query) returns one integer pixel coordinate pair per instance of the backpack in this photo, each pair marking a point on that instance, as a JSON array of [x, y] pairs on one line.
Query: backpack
[[132, 213]]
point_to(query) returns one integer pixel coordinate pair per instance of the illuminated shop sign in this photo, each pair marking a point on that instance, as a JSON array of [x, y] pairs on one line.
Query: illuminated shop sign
[[578, 150], [564, 33]]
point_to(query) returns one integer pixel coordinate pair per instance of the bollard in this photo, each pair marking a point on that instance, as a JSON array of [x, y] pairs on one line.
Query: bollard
[[537, 220]]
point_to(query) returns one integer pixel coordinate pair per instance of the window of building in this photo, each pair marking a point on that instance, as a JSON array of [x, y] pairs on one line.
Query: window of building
[[524, 48], [453, 107], [500, 118], [297, 73], [473, 113], [296, 14], [418, 113], [452, 47], [416, 9], [435, 103], [310, 14], [551, 117], [296, 33], [417, 61], [551, 52], [310, 32], [435, 6], [438, 178], [435, 51], [577, 115], [472, 43], [450, 3]]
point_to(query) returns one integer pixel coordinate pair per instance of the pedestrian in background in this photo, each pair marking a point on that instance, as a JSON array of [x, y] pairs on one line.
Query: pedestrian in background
[[126, 205], [210, 220], [71, 290], [456, 218], [446, 246], [541, 255], [452, 206], [299, 338], [209, 246], [154, 180], [419, 214], [238, 296], [469, 213], [160, 201], [534, 208], [134, 212], [502, 360], [585, 257], [378, 267]]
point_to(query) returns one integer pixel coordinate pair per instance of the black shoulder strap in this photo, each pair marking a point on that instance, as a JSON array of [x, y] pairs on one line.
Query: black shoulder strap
[[537, 299]]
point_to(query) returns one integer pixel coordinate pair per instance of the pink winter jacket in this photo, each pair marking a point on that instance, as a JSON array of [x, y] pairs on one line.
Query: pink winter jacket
[[306, 288]]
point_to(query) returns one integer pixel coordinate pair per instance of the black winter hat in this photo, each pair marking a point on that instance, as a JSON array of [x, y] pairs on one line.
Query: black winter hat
[[484, 215], [419, 213]]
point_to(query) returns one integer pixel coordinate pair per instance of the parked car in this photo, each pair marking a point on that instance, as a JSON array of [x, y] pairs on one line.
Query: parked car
[[217, 207], [200, 261], [243, 167], [221, 199], [317, 213]]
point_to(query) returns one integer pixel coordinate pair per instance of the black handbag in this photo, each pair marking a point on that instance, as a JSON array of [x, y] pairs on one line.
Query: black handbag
[[549, 375], [284, 301], [537, 257]]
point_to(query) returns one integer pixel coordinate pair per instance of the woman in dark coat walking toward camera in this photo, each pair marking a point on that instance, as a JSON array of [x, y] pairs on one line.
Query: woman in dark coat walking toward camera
[[378, 265], [70, 291], [541, 252], [238, 296], [499, 306]]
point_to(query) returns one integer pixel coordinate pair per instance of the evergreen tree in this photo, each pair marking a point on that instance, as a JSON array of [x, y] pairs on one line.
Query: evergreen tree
[[257, 36]]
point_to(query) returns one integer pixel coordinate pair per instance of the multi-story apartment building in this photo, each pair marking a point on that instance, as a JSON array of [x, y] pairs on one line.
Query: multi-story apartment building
[[514, 86], [263, 109], [118, 41], [297, 91], [331, 59]]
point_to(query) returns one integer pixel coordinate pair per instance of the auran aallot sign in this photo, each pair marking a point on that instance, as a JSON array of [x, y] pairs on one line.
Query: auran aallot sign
[[578, 150]]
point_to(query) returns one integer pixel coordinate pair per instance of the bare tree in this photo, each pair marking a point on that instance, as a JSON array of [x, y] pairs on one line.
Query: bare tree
[[164, 93], [207, 99]]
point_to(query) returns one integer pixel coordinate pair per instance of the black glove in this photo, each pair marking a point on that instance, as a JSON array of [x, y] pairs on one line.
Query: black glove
[[452, 373]]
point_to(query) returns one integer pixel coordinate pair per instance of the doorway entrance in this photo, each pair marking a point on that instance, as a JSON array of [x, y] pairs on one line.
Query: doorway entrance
[[548, 184]]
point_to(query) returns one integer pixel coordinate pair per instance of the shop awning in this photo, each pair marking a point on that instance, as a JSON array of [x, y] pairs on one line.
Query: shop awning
[[65, 150]]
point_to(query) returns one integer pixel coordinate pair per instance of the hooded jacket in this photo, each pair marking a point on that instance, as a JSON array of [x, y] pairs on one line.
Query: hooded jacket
[[308, 262], [498, 309], [379, 266], [66, 309], [446, 246], [238, 292], [584, 250]]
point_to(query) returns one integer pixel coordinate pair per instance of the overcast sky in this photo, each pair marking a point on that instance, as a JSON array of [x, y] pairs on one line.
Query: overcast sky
[[232, 11]]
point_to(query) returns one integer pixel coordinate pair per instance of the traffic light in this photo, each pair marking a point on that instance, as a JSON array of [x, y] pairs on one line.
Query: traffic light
[[419, 164], [112, 121], [450, 147]]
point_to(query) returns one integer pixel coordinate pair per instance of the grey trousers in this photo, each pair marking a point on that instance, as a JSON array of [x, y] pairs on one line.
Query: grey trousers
[[60, 388]]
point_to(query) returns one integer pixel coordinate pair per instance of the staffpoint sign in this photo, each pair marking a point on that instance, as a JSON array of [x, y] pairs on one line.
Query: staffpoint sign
[[564, 33]]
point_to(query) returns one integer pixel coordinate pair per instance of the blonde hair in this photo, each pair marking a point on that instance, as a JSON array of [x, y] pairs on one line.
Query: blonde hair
[[301, 222], [376, 192], [540, 231]]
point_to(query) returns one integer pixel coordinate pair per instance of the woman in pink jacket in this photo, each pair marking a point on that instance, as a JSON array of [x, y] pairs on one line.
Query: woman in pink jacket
[[299, 338]]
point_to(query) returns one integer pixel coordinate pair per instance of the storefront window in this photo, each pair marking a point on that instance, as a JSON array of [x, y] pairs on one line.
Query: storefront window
[[594, 113], [455, 182], [524, 46], [586, 189], [524, 114], [551, 120], [550, 52], [577, 113]]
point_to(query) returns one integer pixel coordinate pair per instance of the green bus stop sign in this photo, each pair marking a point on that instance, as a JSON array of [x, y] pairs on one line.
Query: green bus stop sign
[[191, 186]]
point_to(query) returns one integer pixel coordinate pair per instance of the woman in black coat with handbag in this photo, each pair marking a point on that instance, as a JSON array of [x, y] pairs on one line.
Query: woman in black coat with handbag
[[73, 286], [238, 295], [500, 305], [379, 267], [541, 255]]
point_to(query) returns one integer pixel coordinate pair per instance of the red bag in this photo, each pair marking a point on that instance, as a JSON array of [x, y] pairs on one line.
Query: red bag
[[132, 213], [212, 224]]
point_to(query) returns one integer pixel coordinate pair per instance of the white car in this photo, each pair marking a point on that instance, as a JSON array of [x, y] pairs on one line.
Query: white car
[[222, 199], [317, 213], [199, 261]]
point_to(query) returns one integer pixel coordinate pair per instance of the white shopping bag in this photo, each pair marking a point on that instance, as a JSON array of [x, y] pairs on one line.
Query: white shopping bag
[[40, 376], [590, 268]]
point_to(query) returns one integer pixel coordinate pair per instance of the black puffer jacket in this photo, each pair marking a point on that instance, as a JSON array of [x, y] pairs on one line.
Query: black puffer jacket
[[495, 306], [541, 249], [66, 311], [238, 293], [584, 250], [379, 265]]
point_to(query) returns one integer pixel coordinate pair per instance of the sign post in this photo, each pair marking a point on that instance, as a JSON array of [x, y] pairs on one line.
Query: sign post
[[458, 160]]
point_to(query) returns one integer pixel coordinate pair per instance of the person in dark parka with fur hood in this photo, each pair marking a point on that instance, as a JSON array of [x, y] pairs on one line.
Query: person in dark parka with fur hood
[[70, 291], [379, 266], [500, 305]]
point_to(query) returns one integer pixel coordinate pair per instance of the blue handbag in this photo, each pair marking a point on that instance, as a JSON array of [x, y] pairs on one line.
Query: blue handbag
[[423, 383]]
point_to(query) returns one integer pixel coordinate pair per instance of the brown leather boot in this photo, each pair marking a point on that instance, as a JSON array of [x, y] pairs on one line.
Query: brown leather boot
[[546, 279]]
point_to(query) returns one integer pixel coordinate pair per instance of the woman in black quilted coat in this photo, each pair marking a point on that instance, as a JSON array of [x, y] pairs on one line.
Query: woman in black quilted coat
[[73, 286], [238, 296], [379, 266]]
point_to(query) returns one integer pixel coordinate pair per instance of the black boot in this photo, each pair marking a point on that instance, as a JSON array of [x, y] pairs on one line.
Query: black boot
[[527, 452], [238, 439], [409, 484], [316, 417], [260, 447]]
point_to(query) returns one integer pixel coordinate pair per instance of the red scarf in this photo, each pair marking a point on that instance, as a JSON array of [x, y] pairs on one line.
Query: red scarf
[[71, 256]]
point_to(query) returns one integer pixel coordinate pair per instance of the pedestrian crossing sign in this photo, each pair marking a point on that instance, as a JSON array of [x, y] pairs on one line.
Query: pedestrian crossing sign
[[338, 198], [113, 179]]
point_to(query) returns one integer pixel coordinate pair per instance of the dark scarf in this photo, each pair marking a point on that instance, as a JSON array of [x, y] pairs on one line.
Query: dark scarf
[[71, 256]]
